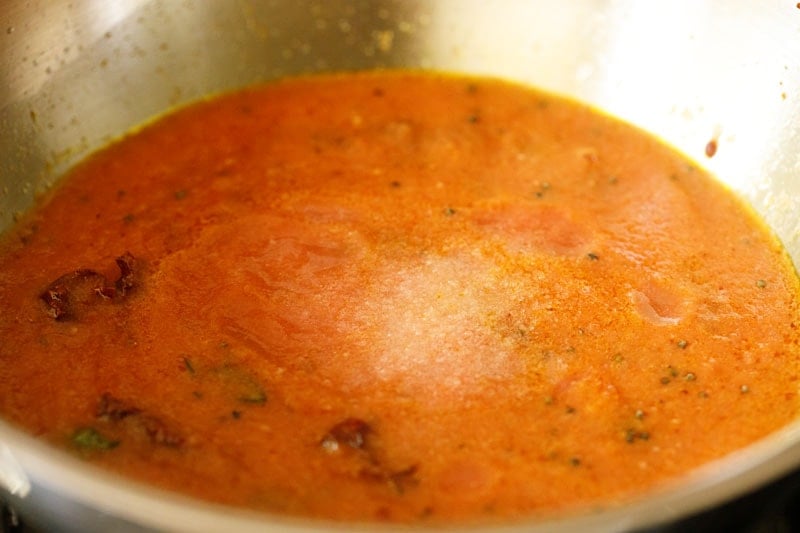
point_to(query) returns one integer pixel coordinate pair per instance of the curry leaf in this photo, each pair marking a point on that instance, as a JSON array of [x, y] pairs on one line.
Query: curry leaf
[[89, 439]]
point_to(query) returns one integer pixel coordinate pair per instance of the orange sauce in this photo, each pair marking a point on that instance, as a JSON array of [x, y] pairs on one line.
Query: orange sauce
[[396, 297]]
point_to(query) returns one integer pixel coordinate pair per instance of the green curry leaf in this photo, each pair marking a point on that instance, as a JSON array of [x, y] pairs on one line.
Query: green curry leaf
[[89, 439]]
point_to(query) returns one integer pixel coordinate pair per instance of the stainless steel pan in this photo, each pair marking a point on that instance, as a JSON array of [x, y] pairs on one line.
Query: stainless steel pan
[[75, 74]]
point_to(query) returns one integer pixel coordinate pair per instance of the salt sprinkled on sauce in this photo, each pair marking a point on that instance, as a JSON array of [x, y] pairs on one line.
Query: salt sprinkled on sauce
[[431, 316]]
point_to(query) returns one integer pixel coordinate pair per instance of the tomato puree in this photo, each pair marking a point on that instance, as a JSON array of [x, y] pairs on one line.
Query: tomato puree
[[397, 297]]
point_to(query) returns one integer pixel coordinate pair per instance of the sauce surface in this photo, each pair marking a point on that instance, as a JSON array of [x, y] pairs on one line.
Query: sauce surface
[[396, 297]]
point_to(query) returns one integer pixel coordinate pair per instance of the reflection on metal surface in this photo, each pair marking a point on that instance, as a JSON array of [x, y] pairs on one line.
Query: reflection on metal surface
[[12, 477], [55, 35]]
